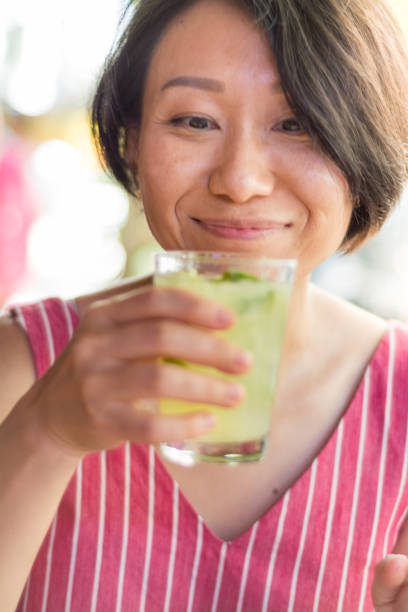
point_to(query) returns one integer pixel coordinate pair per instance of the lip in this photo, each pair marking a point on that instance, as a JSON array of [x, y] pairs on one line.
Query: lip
[[246, 229]]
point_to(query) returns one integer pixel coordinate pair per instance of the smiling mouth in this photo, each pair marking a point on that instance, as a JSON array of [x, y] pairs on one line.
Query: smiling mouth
[[244, 230]]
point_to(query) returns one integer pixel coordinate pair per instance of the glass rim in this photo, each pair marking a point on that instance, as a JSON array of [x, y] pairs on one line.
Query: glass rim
[[214, 256]]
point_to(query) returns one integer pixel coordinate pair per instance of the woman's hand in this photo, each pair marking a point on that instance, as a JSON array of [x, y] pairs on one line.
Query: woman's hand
[[390, 587], [92, 398]]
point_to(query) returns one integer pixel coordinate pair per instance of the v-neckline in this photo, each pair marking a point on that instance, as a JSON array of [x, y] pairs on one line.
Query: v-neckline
[[347, 414]]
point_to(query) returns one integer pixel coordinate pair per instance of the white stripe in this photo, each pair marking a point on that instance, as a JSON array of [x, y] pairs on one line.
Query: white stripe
[[150, 522], [383, 456], [218, 580], [20, 318], [101, 531], [173, 548], [196, 563], [303, 536], [74, 537], [403, 483], [401, 521], [49, 564], [332, 503], [246, 567], [125, 535], [275, 548], [50, 341], [68, 319], [356, 489], [74, 306], [27, 589]]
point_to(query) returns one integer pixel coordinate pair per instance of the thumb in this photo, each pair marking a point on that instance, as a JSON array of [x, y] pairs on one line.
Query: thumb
[[389, 576]]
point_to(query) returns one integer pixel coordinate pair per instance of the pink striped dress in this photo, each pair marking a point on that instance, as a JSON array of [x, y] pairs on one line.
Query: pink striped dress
[[126, 539]]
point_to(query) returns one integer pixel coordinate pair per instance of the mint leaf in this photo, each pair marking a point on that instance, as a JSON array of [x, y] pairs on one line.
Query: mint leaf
[[237, 275], [176, 361]]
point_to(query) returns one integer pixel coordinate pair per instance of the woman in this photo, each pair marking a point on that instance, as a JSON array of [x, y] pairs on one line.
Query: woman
[[268, 127]]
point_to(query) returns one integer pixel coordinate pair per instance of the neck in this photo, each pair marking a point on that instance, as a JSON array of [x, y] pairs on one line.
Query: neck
[[300, 323]]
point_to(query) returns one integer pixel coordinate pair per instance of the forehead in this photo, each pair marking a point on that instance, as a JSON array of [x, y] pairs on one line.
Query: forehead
[[211, 38]]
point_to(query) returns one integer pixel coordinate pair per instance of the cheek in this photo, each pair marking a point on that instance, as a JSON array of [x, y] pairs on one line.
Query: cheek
[[170, 166], [324, 195], [326, 190], [167, 173], [154, 175], [155, 181]]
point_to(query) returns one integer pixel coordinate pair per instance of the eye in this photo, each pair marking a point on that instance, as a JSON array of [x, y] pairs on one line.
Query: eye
[[195, 123], [290, 126]]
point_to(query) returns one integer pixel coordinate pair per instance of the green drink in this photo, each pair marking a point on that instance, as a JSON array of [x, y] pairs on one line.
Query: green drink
[[258, 290]]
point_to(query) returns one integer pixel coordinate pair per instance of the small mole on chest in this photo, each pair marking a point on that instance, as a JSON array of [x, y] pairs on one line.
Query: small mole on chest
[[275, 492]]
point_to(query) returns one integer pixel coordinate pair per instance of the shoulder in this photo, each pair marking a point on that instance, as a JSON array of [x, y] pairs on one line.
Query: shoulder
[[358, 333], [350, 338], [31, 337]]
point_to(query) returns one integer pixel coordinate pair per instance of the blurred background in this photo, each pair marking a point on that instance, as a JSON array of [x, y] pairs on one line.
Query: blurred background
[[65, 228]]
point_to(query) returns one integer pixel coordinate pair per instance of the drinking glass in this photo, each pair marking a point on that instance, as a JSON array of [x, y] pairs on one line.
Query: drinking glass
[[258, 290]]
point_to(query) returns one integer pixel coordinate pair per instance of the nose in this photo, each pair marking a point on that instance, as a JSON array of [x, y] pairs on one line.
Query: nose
[[243, 170]]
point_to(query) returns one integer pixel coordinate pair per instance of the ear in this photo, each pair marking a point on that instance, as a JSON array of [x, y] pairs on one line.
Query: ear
[[132, 157], [132, 148]]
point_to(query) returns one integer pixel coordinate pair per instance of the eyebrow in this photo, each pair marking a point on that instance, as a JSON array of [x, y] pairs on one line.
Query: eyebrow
[[198, 82], [208, 84]]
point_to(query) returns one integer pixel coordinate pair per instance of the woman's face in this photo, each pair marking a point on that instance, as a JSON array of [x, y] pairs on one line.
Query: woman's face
[[222, 163]]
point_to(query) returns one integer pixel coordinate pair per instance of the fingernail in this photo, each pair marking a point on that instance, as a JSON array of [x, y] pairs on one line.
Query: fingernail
[[207, 419], [243, 358], [398, 561], [222, 317], [235, 392]]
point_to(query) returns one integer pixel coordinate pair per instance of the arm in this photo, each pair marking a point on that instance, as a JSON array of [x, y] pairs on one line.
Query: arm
[[28, 460], [17, 372], [90, 400]]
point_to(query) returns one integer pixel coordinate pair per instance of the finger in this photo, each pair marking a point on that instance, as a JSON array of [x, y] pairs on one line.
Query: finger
[[160, 428], [161, 380], [163, 338], [168, 302], [389, 576]]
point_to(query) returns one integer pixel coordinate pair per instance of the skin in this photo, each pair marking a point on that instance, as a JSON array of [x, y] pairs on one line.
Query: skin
[[390, 588], [206, 184]]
